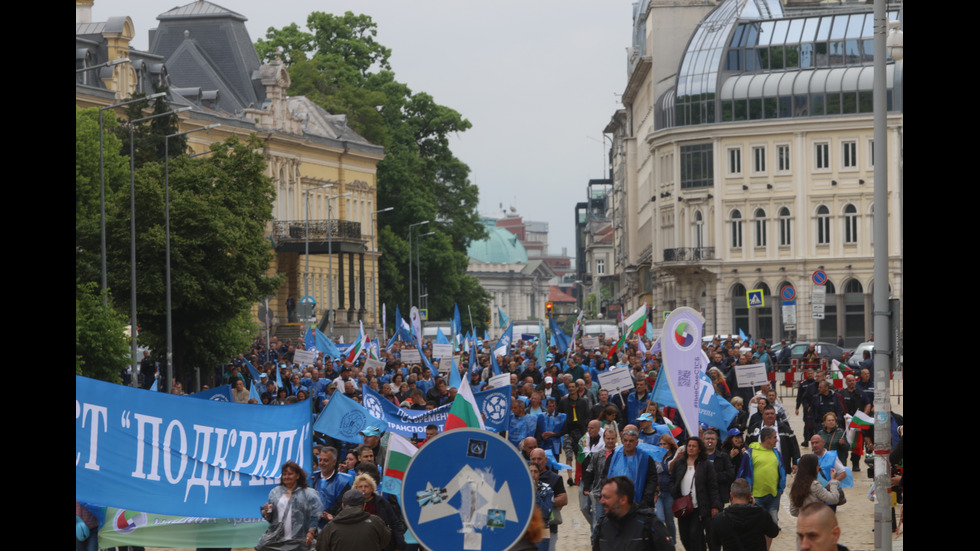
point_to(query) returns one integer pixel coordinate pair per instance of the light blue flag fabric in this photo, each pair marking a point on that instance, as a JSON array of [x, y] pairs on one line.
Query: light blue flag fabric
[[251, 369], [714, 410], [218, 394], [310, 340], [506, 339], [454, 378], [741, 334], [554, 464], [440, 338], [154, 387], [325, 345], [253, 392], [493, 363], [503, 319], [561, 339], [656, 452], [344, 419]]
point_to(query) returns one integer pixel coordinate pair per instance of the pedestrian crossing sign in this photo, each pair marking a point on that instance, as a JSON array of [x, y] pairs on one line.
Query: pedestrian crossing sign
[[755, 299]]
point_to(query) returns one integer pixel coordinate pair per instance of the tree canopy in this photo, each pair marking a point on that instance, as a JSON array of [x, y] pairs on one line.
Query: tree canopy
[[219, 206], [341, 66]]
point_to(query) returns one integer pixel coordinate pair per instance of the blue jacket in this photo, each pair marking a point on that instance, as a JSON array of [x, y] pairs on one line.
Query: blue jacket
[[745, 470]]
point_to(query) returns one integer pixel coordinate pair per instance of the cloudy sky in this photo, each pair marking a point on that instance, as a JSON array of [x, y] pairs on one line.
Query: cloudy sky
[[539, 80]]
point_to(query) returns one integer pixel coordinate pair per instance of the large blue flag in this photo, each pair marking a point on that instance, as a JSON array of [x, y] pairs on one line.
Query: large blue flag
[[252, 371], [505, 340], [503, 319], [561, 340], [440, 338], [344, 419], [151, 451], [457, 323], [454, 378], [474, 363], [219, 394], [493, 363]]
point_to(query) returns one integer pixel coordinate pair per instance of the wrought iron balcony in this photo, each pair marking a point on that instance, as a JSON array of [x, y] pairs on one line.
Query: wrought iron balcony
[[336, 235], [689, 254]]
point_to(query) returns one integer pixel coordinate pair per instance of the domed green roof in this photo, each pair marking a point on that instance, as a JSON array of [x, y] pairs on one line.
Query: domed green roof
[[500, 247]]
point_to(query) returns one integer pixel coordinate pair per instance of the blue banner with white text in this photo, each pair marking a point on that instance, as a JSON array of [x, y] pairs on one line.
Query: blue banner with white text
[[493, 404], [149, 451]]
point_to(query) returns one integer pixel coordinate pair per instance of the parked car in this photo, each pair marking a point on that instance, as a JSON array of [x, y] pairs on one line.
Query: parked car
[[825, 350]]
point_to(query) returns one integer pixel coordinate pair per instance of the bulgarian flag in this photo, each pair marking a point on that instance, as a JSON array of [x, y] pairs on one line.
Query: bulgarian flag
[[359, 346], [836, 375], [861, 421], [400, 452], [633, 324], [463, 412], [675, 431]]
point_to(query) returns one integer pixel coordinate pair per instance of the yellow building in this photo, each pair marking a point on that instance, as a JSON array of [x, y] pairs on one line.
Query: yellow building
[[322, 170]]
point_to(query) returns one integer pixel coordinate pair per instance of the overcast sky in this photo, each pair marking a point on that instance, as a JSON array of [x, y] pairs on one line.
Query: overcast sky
[[539, 80]]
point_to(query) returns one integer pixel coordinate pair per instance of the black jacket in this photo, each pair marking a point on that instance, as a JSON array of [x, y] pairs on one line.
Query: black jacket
[[637, 530], [705, 484], [742, 526]]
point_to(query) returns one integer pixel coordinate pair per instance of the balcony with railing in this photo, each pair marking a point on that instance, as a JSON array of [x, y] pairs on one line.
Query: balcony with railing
[[324, 235], [689, 254]]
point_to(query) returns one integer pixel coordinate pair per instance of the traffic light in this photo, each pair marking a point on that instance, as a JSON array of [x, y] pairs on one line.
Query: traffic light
[[548, 307]]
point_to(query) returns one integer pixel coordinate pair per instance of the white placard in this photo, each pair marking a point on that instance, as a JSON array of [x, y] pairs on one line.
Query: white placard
[[751, 375], [590, 342], [442, 351], [789, 314], [411, 356], [820, 295], [498, 381], [616, 380], [304, 357], [376, 364], [612, 333]]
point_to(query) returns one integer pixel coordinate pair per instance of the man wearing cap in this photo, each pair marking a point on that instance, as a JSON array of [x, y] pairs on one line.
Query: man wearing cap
[[372, 439], [648, 434], [354, 529], [549, 389]]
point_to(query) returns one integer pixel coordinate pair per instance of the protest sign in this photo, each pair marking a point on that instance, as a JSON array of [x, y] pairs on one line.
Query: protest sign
[[442, 351], [751, 375], [616, 380], [411, 356], [304, 357], [132, 528]]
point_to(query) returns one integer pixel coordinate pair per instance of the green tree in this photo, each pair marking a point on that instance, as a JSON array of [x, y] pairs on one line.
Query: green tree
[[219, 205], [101, 345], [341, 66]]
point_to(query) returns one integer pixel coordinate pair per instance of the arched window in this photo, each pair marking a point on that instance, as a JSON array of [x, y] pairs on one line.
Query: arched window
[[760, 228], [823, 225], [736, 229], [850, 224], [785, 228]]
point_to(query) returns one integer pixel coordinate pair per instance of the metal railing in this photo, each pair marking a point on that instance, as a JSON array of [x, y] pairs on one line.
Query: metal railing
[[295, 230], [687, 254]]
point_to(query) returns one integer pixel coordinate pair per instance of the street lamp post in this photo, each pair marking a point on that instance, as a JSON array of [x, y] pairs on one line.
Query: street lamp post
[[418, 265], [374, 267], [102, 177], [166, 223], [132, 239], [410, 226]]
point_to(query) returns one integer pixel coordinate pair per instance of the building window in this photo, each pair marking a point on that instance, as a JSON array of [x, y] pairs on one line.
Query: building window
[[600, 266], [782, 158], [759, 160], [849, 154], [822, 153], [785, 228], [850, 224], [734, 162], [823, 225], [871, 153], [736, 230], [760, 228], [697, 166]]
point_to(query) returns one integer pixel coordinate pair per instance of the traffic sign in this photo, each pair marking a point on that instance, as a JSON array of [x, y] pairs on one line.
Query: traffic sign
[[788, 293], [667, 314], [819, 277], [755, 298], [468, 489], [424, 314]]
